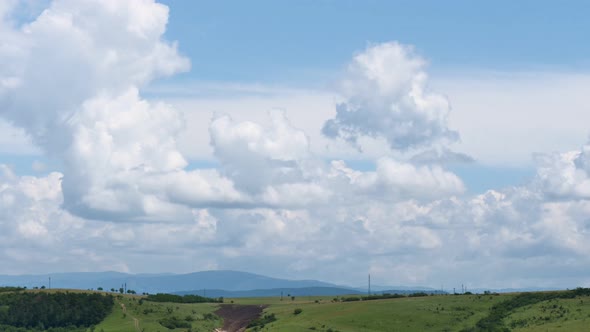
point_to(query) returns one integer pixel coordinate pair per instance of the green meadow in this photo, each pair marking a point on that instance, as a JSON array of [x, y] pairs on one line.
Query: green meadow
[[540, 311], [554, 315], [132, 313], [429, 313]]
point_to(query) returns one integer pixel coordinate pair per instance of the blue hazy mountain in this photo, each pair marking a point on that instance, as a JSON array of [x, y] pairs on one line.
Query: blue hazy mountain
[[153, 283], [214, 283]]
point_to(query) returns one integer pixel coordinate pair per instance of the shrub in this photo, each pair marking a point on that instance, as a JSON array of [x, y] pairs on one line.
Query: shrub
[[209, 316], [260, 322], [174, 322]]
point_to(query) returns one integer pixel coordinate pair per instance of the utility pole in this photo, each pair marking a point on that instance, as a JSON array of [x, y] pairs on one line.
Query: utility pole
[[369, 293]]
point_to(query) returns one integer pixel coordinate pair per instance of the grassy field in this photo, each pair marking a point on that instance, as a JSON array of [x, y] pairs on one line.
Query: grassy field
[[321, 313], [132, 314], [431, 313], [553, 315]]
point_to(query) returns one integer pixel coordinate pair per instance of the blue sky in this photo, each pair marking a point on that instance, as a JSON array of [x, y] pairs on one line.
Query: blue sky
[[419, 141], [283, 40], [307, 43]]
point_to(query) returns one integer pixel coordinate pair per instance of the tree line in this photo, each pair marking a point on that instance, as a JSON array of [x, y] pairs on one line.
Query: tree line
[[161, 297], [379, 297], [11, 289], [42, 311]]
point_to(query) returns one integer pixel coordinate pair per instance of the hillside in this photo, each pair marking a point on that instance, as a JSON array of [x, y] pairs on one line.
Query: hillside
[[53, 310], [567, 311]]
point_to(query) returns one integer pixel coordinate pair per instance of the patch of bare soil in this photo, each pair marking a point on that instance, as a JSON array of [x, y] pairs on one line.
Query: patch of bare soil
[[237, 317]]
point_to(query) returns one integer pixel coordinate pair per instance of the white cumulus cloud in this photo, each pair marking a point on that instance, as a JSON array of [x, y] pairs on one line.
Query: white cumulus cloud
[[386, 96]]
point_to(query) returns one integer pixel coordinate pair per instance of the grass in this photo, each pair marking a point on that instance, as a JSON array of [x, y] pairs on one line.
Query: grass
[[430, 313], [148, 314], [322, 313], [553, 315]]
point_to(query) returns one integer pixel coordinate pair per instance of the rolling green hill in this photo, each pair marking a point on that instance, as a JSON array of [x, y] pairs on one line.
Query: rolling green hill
[[132, 314], [534, 311]]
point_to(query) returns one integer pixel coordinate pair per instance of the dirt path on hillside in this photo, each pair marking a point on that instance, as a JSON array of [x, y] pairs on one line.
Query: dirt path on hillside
[[135, 320], [237, 317], [136, 324]]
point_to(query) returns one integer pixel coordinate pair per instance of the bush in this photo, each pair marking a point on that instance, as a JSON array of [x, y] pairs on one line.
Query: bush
[[260, 322], [174, 322], [297, 311], [351, 299], [209, 316]]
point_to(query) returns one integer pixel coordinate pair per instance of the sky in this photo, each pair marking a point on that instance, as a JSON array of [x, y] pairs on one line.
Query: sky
[[425, 143]]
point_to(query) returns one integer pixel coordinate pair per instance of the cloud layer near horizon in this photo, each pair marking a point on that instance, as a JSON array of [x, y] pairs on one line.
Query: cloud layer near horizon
[[126, 200]]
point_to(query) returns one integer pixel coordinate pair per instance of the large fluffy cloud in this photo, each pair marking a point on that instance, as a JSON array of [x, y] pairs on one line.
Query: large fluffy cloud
[[386, 97], [37, 235], [75, 50], [254, 156], [71, 80], [565, 175]]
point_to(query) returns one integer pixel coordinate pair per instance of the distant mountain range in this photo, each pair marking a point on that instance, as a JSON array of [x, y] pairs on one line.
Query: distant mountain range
[[210, 283], [165, 283]]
